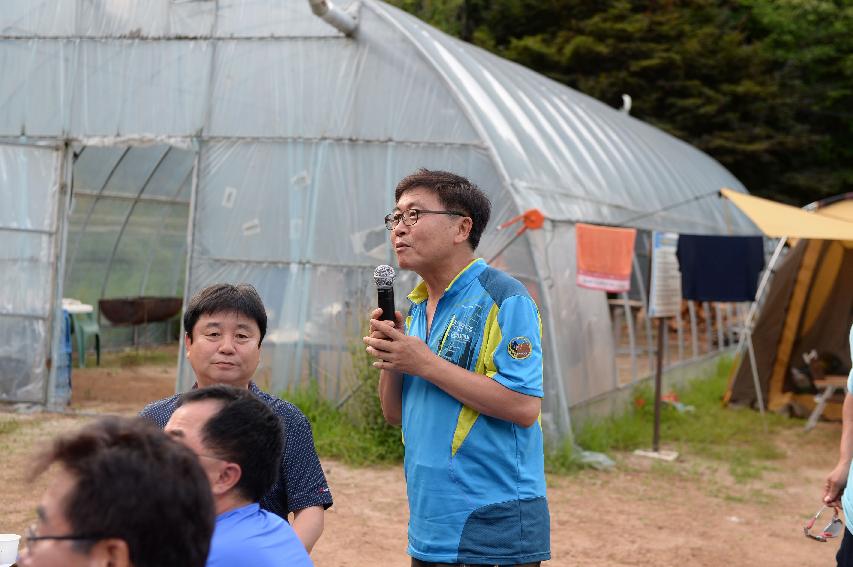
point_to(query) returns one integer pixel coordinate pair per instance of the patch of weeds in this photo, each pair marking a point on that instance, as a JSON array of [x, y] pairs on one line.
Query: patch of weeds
[[761, 497], [732, 497], [332, 434], [736, 438], [563, 460], [743, 469], [133, 358], [664, 469], [768, 452], [626, 432], [9, 426], [164, 355], [357, 432], [693, 470]]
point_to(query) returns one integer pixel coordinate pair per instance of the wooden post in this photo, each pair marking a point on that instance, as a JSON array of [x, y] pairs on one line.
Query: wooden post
[[658, 373]]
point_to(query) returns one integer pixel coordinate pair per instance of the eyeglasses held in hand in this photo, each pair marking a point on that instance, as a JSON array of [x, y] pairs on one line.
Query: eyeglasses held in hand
[[832, 529]]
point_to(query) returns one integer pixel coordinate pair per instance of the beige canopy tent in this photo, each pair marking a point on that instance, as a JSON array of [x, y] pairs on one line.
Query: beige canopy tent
[[832, 220], [807, 306]]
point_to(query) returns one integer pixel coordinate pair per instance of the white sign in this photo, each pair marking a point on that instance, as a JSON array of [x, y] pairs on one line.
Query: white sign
[[665, 290]]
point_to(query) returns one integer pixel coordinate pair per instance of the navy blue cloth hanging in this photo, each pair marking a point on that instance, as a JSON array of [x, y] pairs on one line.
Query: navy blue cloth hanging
[[720, 268]]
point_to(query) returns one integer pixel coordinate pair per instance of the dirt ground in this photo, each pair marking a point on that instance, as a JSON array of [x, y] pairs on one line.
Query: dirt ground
[[690, 512]]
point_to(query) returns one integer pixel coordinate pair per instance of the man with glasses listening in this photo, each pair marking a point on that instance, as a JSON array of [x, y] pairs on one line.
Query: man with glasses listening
[[239, 441], [462, 374], [121, 493]]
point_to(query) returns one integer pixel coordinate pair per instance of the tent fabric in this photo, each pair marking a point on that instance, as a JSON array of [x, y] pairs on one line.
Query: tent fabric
[[834, 315], [777, 220], [719, 268], [841, 210], [825, 331], [809, 306], [767, 330], [791, 327], [604, 257]]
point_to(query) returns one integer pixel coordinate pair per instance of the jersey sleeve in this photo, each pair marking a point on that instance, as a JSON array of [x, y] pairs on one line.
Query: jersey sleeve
[[514, 348]]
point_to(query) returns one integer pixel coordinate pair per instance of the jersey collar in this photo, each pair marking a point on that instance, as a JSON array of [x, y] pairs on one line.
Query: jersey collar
[[461, 280]]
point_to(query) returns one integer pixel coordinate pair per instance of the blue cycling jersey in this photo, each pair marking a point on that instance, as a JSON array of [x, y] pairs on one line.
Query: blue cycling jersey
[[476, 484]]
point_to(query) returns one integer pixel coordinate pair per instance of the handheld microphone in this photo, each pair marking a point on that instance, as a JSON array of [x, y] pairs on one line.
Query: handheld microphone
[[384, 277]]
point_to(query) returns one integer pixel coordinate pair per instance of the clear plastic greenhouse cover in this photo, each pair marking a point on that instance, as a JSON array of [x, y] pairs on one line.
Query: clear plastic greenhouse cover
[[295, 137]]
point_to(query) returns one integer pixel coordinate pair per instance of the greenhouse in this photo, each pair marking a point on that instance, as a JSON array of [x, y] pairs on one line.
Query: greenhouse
[[153, 147]]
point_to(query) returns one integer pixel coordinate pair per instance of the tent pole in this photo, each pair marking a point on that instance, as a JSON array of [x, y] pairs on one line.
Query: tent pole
[[765, 278], [746, 336], [759, 396]]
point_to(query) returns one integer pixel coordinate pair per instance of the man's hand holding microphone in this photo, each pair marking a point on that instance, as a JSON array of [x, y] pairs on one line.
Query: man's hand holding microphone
[[388, 343]]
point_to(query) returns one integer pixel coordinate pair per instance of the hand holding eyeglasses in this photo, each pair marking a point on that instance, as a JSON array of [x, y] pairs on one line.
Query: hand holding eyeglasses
[[832, 529]]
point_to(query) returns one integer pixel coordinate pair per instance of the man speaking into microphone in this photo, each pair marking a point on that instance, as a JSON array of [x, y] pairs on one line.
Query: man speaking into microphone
[[462, 374]]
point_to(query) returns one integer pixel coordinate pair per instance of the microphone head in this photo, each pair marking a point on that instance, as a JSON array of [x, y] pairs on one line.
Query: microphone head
[[384, 276]]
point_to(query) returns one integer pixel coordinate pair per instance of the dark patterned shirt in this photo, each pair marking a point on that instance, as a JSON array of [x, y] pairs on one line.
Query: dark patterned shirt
[[301, 482]]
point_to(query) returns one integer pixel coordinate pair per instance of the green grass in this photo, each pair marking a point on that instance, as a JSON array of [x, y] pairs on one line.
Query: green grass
[[341, 435], [563, 460], [9, 426], [357, 433], [165, 355], [736, 438], [145, 357]]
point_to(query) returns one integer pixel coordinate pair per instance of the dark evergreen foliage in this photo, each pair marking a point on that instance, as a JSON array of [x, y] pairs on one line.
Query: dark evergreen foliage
[[763, 86]]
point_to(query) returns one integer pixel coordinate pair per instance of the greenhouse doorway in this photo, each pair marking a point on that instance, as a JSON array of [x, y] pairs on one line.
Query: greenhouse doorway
[[126, 250]]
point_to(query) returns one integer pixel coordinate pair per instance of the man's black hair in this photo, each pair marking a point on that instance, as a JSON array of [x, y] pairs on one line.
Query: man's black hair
[[455, 193], [134, 483], [244, 431], [223, 298]]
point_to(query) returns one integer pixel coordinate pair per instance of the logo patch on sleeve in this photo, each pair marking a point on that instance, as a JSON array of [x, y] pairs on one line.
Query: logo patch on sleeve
[[519, 348]]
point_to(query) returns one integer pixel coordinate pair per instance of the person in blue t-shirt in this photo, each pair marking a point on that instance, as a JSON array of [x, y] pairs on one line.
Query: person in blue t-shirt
[[462, 375], [238, 441], [834, 493]]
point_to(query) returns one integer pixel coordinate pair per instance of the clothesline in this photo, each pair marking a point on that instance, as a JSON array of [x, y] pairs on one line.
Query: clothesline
[[625, 222]]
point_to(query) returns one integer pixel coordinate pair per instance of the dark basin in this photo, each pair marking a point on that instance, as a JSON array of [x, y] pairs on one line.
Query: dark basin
[[139, 310]]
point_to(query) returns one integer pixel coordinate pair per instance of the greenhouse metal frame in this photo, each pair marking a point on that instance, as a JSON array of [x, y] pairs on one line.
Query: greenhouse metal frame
[[261, 144]]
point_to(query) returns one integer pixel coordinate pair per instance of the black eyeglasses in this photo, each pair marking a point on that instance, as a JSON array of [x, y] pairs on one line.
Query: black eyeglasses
[[410, 217], [32, 536]]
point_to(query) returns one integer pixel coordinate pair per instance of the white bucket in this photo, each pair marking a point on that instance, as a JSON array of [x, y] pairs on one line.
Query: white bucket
[[9, 548]]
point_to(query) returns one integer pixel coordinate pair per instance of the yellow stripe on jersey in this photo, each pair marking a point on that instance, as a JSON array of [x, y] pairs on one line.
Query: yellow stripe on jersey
[[491, 340], [446, 332]]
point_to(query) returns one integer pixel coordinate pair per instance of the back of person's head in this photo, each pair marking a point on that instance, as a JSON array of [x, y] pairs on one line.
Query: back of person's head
[[455, 193], [244, 431], [223, 298], [132, 483]]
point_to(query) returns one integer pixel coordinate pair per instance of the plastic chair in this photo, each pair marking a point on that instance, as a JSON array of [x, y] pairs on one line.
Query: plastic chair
[[85, 326]]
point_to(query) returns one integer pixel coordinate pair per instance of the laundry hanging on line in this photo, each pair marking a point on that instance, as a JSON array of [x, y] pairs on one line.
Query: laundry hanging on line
[[604, 257], [720, 268]]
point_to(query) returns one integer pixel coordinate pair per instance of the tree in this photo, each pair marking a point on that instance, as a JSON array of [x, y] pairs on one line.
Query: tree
[[764, 86]]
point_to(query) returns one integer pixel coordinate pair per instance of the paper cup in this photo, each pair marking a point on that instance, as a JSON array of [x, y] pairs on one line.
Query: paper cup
[[9, 548]]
